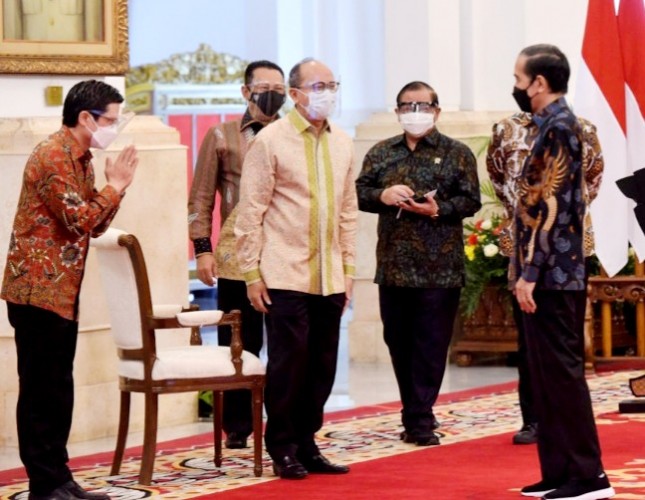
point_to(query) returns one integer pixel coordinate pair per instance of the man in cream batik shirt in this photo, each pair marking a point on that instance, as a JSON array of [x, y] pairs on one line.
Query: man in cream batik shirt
[[296, 231]]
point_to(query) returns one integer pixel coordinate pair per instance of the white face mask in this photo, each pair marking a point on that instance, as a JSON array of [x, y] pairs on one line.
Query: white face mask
[[416, 124], [321, 105], [102, 137]]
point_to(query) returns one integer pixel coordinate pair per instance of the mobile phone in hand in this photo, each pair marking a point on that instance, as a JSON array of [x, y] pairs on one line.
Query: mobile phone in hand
[[424, 198]]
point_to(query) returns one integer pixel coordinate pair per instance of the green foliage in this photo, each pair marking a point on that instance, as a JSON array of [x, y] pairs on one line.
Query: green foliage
[[485, 265], [206, 397], [488, 191]]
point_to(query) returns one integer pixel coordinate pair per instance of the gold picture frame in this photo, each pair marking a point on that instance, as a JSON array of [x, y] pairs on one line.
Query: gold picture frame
[[90, 40]]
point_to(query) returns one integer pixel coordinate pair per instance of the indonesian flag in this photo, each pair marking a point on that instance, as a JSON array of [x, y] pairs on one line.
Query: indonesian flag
[[600, 98], [631, 31]]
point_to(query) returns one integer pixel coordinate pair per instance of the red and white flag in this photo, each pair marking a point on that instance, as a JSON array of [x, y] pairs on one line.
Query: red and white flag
[[631, 31], [600, 98]]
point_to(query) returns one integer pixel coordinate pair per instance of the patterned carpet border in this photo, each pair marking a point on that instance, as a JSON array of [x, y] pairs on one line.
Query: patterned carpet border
[[186, 470]]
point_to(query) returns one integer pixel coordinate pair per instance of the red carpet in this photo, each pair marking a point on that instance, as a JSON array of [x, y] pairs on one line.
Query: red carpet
[[486, 468], [475, 461]]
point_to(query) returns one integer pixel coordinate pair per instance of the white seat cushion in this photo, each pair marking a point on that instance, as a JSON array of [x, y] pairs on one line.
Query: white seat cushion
[[192, 362], [200, 318]]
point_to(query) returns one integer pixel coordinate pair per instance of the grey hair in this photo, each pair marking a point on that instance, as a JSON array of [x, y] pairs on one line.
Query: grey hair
[[294, 74]]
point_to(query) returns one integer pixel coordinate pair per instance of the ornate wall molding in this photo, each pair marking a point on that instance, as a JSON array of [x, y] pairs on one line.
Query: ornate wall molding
[[107, 57]]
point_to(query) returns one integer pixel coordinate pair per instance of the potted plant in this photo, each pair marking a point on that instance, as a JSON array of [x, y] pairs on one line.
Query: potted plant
[[486, 267], [487, 323]]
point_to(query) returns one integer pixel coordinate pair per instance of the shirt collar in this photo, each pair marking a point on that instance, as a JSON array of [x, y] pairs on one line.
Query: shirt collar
[[69, 141], [301, 123], [431, 138], [548, 111], [249, 121], [524, 119]]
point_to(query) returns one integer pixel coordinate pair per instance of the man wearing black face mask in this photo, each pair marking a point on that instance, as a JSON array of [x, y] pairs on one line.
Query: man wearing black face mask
[[509, 147], [548, 273], [218, 169]]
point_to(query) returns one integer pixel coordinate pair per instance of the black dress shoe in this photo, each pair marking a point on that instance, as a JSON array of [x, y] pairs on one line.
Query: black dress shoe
[[320, 465], [288, 467], [235, 441], [526, 435], [420, 440], [75, 489], [69, 491], [57, 494]]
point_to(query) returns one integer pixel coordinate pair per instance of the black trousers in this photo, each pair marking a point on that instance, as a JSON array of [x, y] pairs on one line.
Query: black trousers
[[302, 338], [231, 294], [568, 446], [46, 345], [417, 328], [524, 387]]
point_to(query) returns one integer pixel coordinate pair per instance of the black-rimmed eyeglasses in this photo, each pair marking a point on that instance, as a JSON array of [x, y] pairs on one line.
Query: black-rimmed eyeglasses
[[421, 107]]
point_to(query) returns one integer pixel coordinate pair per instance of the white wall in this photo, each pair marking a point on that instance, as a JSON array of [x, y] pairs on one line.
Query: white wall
[[24, 95], [465, 48], [160, 28]]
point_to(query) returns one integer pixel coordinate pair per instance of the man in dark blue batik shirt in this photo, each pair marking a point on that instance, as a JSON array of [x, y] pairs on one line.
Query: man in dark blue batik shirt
[[549, 273]]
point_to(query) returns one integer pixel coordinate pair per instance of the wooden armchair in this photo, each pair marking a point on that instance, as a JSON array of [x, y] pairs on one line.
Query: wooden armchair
[[152, 371]]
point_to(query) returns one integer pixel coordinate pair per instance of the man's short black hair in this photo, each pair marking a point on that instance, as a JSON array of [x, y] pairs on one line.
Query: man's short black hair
[[417, 85], [87, 96], [248, 73], [550, 62]]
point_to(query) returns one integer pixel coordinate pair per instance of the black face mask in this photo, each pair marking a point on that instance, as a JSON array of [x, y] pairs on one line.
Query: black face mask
[[522, 99], [269, 102]]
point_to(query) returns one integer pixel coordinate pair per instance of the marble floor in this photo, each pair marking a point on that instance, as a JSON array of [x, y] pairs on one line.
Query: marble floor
[[368, 383]]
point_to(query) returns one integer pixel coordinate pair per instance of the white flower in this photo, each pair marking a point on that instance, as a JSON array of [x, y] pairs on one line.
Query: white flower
[[491, 250], [487, 224]]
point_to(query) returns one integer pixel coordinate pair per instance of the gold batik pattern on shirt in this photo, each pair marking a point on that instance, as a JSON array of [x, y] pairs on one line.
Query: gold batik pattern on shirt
[[510, 145]]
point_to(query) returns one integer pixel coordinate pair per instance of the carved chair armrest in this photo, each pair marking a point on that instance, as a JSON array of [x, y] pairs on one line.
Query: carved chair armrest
[[165, 316], [213, 317]]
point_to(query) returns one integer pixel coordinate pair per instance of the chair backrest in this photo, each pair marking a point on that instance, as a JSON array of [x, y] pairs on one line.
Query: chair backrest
[[126, 286]]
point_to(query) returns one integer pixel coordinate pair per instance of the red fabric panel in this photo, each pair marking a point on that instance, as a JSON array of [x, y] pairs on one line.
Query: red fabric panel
[[233, 116], [601, 51], [204, 123]]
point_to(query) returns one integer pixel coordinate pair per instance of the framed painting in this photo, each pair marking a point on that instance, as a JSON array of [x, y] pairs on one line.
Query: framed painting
[[64, 37]]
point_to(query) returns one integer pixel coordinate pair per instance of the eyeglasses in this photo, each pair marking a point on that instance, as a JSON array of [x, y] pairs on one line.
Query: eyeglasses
[[422, 107], [319, 87], [120, 121], [262, 87]]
